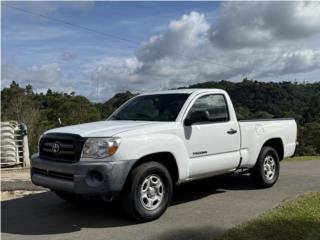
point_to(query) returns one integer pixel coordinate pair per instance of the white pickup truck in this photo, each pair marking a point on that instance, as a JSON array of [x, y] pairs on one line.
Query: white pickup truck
[[154, 141]]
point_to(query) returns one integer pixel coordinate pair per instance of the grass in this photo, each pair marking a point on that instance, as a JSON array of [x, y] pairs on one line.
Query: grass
[[303, 158], [296, 219]]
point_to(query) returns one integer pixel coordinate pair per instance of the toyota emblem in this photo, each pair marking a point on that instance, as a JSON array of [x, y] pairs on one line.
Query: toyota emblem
[[55, 148]]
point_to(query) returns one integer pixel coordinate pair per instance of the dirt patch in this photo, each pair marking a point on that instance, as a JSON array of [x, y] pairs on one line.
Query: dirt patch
[[22, 174]]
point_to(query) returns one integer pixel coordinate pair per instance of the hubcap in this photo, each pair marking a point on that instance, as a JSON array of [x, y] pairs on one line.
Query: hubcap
[[269, 167], [151, 192]]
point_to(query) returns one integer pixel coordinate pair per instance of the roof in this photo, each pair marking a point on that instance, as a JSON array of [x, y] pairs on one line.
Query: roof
[[187, 91]]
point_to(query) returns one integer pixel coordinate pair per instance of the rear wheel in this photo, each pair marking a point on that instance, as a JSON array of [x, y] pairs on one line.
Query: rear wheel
[[266, 171], [148, 192]]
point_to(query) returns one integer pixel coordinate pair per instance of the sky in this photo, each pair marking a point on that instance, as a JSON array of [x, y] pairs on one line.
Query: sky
[[97, 49]]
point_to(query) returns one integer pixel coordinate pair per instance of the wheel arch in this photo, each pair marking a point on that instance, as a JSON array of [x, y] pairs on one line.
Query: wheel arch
[[277, 145], [165, 158]]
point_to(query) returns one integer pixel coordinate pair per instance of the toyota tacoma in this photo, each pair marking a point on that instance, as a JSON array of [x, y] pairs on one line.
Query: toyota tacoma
[[155, 141]]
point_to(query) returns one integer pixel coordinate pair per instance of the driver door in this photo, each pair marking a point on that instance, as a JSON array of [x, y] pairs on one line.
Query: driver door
[[213, 145]]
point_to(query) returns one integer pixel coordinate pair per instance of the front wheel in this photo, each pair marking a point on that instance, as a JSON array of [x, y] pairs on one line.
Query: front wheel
[[148, 192], [266, 171]]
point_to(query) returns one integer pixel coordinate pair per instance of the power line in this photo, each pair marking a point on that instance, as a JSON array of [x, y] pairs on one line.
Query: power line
[[133, 42], [72, 24]]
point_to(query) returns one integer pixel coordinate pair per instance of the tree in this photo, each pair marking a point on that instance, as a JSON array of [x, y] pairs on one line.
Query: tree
[[18, 105], [251, 99]]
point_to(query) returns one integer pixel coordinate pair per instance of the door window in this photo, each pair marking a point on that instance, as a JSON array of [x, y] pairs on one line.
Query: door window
[[214, 105]]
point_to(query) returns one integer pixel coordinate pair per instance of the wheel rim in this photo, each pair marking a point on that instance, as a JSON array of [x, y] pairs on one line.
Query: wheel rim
[[151, 192], [269, 167]]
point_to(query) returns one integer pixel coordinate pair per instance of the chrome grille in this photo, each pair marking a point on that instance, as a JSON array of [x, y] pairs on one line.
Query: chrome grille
[[61, 147]]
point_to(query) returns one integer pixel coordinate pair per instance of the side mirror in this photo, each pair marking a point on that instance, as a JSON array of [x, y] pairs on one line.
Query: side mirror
[[197, 116], [187, 122]]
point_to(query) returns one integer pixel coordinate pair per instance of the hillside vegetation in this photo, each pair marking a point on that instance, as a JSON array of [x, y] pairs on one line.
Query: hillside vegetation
[[252, 99]]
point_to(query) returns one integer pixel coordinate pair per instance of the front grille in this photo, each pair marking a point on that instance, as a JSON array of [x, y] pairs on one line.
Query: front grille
[[61, 147], [54, 174]]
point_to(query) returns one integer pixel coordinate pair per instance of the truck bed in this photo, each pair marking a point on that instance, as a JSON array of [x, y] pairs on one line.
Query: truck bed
[[255, 133]]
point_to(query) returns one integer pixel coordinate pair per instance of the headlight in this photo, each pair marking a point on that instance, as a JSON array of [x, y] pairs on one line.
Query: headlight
[[100, 147]]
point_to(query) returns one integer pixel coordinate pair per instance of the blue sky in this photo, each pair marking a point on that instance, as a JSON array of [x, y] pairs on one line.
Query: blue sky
[[167, 44], [135, 21]]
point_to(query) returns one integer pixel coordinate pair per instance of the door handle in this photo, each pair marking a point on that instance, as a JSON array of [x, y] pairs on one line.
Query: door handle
[[231, 131]]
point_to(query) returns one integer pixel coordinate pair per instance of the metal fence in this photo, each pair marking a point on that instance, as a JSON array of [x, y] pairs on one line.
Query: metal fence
[[14, 150]]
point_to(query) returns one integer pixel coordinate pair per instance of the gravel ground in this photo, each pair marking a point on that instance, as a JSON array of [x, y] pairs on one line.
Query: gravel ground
[[16, 183]]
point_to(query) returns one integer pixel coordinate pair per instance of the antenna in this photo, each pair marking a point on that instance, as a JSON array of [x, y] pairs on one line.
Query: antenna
[[60, 123]]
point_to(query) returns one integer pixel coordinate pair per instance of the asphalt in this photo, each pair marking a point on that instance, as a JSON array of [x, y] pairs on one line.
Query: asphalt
[[200, 210]]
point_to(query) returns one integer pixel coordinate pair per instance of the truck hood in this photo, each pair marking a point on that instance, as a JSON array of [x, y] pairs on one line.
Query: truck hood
[[103, 128]]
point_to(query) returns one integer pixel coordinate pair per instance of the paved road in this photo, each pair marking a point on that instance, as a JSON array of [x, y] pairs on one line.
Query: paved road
[[200, 210]]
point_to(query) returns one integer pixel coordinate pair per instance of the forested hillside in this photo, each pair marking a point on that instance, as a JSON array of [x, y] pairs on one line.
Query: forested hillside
[[252, 99]]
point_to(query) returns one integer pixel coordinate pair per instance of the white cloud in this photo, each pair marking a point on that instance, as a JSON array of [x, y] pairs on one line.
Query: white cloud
[[183, 55], [260, 24], [301, 61], [110, 75], [291, 62], [181, 36], [40, 76], [259, 40]]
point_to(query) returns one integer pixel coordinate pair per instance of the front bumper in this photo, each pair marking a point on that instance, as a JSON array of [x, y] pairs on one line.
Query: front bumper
[[84, 177]]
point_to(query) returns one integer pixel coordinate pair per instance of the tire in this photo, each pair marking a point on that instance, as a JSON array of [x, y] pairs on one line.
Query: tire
[[267, 169], [68, 197], [148, 192]]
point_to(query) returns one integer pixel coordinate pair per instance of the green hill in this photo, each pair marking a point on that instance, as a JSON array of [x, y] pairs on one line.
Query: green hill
[[252, 99]]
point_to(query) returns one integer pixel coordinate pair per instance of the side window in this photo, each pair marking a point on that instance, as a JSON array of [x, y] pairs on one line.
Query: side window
[[215, 105]]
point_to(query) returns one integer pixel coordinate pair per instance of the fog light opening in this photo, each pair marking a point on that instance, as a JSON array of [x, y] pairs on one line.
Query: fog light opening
[[94, 178]]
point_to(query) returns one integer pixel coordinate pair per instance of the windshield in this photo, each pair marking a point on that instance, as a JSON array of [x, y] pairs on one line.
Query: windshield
[[157, 107]]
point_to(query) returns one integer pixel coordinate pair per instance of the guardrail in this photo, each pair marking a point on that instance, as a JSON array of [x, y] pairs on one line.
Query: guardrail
[[14, 150]]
